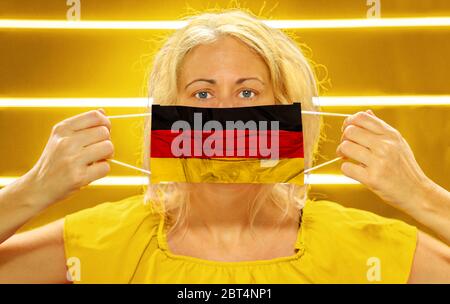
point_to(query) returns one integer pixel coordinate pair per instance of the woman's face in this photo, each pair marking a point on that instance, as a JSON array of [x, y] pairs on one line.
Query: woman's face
[[225, 73]]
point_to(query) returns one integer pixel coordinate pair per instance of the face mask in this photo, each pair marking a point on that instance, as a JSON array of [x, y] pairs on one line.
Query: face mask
[[259, 144]]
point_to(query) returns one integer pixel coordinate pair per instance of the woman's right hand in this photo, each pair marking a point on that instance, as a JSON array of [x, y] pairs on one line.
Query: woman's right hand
[[75, 155]]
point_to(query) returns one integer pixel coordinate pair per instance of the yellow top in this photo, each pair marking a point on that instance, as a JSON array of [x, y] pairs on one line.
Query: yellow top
[[125, 242]]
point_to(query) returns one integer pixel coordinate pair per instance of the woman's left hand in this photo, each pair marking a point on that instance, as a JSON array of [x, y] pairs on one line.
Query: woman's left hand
[[383, 159]]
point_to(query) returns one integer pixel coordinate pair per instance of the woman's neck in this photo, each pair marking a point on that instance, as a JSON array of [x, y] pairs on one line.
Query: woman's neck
[[218, 228], [223, 210]]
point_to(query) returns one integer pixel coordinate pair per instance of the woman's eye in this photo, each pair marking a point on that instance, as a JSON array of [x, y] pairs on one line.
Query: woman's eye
[[247, 94], [202, 95]]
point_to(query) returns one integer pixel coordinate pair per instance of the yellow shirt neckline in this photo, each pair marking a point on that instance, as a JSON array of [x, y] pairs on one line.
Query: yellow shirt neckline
[[164, 247]]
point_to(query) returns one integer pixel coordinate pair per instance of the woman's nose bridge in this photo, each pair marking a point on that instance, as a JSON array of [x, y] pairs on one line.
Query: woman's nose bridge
[[225, 90], [227, 102], [225, 97]]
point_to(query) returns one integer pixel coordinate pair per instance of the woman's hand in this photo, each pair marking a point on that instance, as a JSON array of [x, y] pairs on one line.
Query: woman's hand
[[384, 160], [385, 163], [74, 156]]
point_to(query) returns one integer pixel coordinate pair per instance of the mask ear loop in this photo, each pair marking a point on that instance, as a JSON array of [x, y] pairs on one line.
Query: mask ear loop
[[303, 112], [129, 166]]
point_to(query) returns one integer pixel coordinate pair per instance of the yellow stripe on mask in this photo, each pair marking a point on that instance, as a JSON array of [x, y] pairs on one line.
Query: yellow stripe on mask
[[227, 170]]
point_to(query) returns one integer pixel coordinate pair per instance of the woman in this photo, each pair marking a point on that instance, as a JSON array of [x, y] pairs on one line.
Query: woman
[[226, 233]]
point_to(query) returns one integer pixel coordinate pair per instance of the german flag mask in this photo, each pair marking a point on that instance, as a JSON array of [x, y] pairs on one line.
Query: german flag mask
[[260, 144]]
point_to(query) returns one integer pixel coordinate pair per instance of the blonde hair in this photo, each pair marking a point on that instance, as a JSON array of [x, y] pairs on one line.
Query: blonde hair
[[292, 80]]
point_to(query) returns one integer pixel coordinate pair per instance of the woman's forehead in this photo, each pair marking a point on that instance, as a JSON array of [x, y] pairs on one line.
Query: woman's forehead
[[225, 56]]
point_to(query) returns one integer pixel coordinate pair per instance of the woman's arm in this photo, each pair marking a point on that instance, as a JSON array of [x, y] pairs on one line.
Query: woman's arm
[[35, 256], [431, 262], [19, 202], [432, 209], [74, 156], [386, 165]]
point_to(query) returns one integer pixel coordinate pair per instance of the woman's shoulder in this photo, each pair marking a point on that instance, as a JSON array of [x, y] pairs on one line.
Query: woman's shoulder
[[112, 223], [111, 216], [128, 208], [110, 238], [352, 239], [334, 219], [336, 215]]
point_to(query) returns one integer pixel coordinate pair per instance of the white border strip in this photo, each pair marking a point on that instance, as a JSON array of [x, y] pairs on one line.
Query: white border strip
[[329, 101], [284, 24], [127, 181]]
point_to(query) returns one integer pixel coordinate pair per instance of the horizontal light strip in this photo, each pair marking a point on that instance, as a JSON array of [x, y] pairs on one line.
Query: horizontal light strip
[[286, 24], [361, 101], [313, 179], [329, 101], [91, 25], [74, 102], [121, 181], [106, 181], [360, 23], [329, 179]]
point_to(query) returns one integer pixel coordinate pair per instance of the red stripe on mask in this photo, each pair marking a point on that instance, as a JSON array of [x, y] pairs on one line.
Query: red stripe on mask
[[213, 144]]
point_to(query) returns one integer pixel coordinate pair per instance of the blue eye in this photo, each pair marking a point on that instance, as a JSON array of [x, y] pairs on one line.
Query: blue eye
[[202, 95], [247, 94]]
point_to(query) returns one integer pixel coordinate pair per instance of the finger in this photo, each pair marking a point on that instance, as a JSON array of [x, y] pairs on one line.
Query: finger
[[92, 135], [371, 112], [97, 170], [357, 172], [97, 152], [360, 136], [88, 120], [367, 121], [354, 151]]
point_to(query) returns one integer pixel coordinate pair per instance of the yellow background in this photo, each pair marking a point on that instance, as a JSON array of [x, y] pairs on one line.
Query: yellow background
[[107, 63]]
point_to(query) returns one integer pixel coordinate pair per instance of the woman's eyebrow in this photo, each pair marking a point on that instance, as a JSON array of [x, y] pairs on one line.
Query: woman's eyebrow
[[212, 81], [241, 80]]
